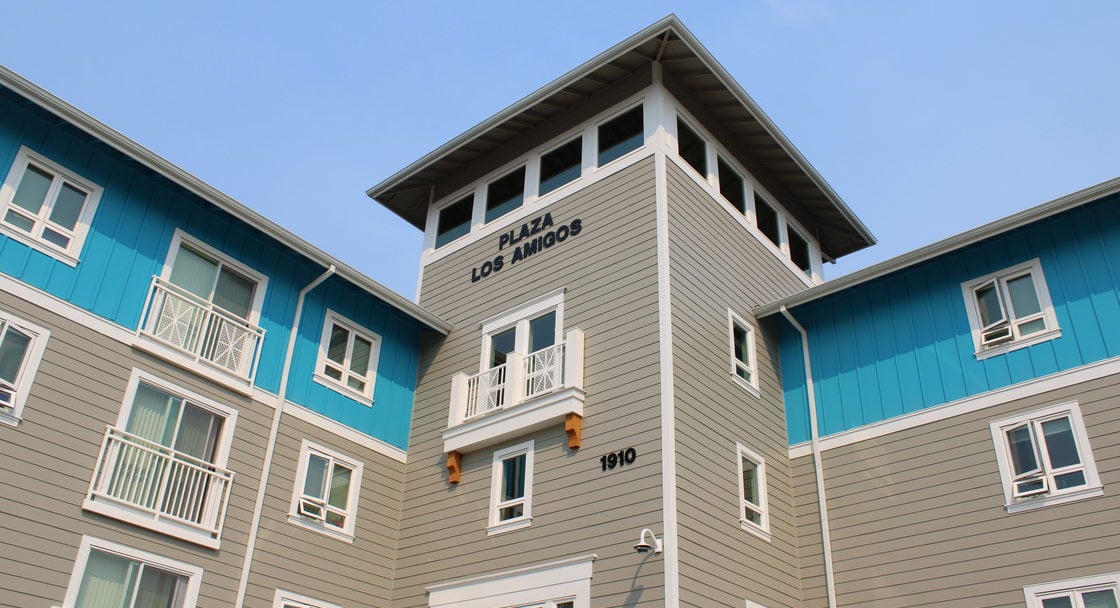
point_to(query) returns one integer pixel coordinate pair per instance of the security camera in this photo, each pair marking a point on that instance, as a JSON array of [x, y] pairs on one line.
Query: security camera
[[644, 546]]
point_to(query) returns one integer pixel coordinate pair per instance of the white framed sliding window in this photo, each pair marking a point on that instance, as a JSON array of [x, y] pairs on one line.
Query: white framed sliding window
[[1102, 591], [111, 575]]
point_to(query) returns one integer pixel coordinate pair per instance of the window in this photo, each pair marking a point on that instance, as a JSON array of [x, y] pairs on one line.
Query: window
[[109, 575], [21, 349], [1044, 458], [799, 250], [1010, 309], [692, 148], [162, 465], [731, 186], [511, 497], [1088, 592], [348, 358], [326, 492], [454, 220], [621, 134], [766, 218], [287, 599], [528, 338], [505, 194], [753, 515], [46, 206], [205, 306], [742, 351], [561, 166]]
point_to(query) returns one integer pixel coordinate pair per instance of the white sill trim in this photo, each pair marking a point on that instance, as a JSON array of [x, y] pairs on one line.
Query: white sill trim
[[200, 368], [17, 235], [747, 386], [755, 529], [1017, 344], [9, 419], [345, 391], [509, 526], [1030, 504], [323, 529], [111, 509], [535, 414]]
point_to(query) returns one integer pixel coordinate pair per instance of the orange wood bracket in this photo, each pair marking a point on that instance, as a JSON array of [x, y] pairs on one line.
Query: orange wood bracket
[[454, 466], [573, 426]]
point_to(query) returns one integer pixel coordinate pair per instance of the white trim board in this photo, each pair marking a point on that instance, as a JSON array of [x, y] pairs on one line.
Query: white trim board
[[370, 443], [1059, 380], [567, 577], [126, 336]]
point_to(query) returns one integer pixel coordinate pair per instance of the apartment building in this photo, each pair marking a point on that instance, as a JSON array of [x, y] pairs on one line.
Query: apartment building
[[198, 408], [625, 381]]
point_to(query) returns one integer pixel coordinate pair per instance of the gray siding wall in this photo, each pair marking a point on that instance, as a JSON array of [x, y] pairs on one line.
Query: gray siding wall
[[715, 265], [918, 519], [296, 559], [610, 276], [46, 464]]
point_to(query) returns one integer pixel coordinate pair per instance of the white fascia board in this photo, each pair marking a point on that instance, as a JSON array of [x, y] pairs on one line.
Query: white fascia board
[[196, 186], [1011, 222]]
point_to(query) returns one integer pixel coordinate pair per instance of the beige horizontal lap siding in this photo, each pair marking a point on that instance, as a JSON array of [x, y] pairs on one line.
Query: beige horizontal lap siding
[[715, 265], [609, 275], [918, 519], [291, 557], [46, 464]]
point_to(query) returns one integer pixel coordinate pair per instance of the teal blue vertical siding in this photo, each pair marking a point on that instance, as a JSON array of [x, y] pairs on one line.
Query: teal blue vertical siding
[[902, 343], [128, 243], [389, 417]]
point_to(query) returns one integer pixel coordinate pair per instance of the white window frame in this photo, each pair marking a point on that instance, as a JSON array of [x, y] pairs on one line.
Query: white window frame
[[499, 526], [567, 580], [25, 378], [89, 543], [221, 458], [1052, 331], [285, 599], [180, 237], [615, 113], [709, 170], [751, 189], [761, 530], [68, 255], [1035, 594], [751, 365], [345, 533], [332, 319], [1092, 485], [519, 317]]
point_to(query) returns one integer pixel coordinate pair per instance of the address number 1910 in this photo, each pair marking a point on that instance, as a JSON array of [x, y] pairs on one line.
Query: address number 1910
[[620, 458]]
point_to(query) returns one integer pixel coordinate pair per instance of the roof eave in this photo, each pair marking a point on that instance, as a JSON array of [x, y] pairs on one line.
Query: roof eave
[[938, 248], [194, 185]]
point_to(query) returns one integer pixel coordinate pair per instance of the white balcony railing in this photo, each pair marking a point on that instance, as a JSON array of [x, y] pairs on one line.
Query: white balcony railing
[[165, 484], [520, 379], [200, 330]]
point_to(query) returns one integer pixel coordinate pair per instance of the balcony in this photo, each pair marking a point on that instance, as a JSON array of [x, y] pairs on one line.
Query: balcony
[[527, 393], [196, 330], [157, 487]]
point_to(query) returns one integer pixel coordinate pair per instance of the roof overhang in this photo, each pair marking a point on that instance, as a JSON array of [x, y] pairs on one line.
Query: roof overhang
[[953, 243], [689, 70], [194, 185]]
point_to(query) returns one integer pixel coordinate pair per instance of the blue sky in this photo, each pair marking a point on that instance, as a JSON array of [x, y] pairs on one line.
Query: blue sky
[[927, 117]]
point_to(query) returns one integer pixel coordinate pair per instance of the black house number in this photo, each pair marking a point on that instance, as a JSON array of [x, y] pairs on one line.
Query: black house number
[[620, 458]]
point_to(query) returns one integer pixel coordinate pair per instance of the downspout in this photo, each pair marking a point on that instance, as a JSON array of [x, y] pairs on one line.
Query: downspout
[[818, 467], [266, 468]]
